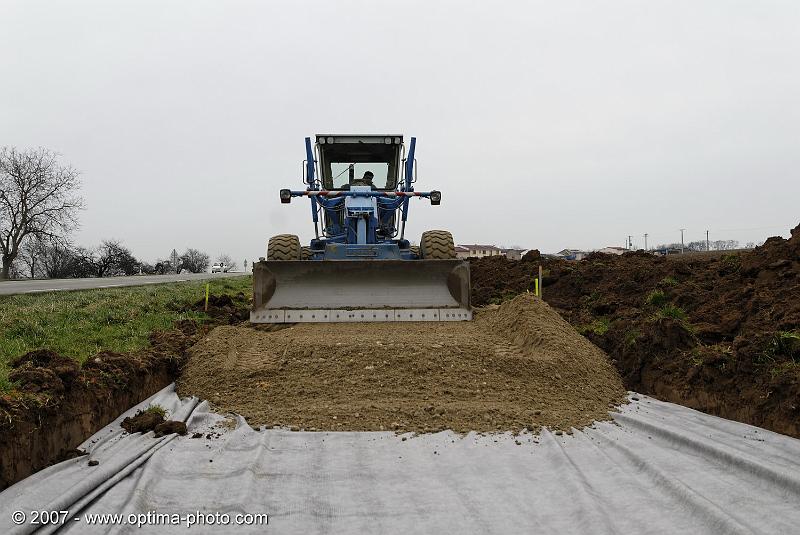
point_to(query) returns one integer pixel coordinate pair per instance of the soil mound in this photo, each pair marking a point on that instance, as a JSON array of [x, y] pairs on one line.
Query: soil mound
[[714, 331], [224, 309], [422, 377]]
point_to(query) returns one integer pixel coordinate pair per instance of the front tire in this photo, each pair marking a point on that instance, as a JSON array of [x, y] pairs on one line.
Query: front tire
[[437, 245], [284, 247]]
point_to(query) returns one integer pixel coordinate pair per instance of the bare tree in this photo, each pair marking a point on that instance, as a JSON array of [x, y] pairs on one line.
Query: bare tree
[[59, 261], [30, 253], [38, 197], [113, 258], [194, 261], [228, 261], [725, 245]]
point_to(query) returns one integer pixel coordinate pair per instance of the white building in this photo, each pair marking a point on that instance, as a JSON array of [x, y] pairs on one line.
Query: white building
[[612, 250], [479, 251]]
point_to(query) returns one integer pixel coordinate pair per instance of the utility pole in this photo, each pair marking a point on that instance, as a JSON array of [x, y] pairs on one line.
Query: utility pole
[[682, 239], [708, 244], [630, 242], [645, 241]]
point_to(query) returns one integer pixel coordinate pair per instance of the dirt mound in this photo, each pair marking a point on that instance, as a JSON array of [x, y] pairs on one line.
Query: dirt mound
[[420, 377], [713, 331], [224, 309], [43, 371]]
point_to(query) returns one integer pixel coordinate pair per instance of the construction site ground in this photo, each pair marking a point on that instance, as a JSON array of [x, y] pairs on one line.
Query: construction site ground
[[490, 425]]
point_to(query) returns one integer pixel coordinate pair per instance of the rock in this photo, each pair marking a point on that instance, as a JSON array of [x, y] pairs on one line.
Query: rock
[[94, 462]]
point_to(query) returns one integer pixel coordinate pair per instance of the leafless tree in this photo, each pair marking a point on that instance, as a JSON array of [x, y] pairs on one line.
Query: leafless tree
[[30, 253], [38, 197], [725, 245], [228, 261], [59, 261], [113, 258], [194, 261]]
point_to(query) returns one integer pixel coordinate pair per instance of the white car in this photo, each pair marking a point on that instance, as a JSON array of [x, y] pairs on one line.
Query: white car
[[220, 267]]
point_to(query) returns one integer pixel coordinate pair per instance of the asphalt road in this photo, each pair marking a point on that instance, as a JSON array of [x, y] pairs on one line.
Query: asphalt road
[[57, 285]]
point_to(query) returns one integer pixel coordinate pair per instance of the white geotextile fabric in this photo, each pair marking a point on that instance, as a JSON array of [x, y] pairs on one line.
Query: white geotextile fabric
[[657, 468]]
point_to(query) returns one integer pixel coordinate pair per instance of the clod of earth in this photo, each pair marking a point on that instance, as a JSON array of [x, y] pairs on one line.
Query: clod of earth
[[142, 422], [169, 427], [492, 374]]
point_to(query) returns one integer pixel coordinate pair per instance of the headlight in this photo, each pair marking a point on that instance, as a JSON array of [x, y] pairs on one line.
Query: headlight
[[436, 197], [286, 196]]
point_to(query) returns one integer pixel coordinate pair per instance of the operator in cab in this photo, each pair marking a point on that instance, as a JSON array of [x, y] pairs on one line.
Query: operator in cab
[[368, 176]]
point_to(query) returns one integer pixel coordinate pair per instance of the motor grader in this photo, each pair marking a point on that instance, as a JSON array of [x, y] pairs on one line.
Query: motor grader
[[360, 266]]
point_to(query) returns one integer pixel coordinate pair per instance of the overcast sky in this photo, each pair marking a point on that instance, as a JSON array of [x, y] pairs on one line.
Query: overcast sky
[[544, 124]]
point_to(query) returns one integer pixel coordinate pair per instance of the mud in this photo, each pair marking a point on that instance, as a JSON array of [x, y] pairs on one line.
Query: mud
[[718, 332], [515, 367]]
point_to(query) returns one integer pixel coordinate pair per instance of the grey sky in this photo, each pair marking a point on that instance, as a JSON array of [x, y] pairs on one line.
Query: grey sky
[[545, 124]]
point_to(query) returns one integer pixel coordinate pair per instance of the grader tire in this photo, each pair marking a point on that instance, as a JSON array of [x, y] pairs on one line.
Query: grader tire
[[415, 250], [437, 245], [305, 253], [284, 247]]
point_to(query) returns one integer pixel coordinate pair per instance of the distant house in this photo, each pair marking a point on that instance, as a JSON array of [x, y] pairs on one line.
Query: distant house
[[462, 252], [612, 250], [571, 254], [513, 254], [479, 251]]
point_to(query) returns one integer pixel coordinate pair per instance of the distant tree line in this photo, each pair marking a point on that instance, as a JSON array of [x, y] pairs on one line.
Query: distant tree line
[[713, 245], [57, 259]]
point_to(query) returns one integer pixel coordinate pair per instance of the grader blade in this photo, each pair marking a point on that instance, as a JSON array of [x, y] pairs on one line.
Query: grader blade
[[360, 291]]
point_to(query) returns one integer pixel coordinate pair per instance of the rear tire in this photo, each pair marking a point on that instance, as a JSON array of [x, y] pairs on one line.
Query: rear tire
[[437, 245], [305, 253], [415, 251], [284, 247]]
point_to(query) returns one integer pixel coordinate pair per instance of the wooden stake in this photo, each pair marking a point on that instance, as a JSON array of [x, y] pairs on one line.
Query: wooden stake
[[541, 288]]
